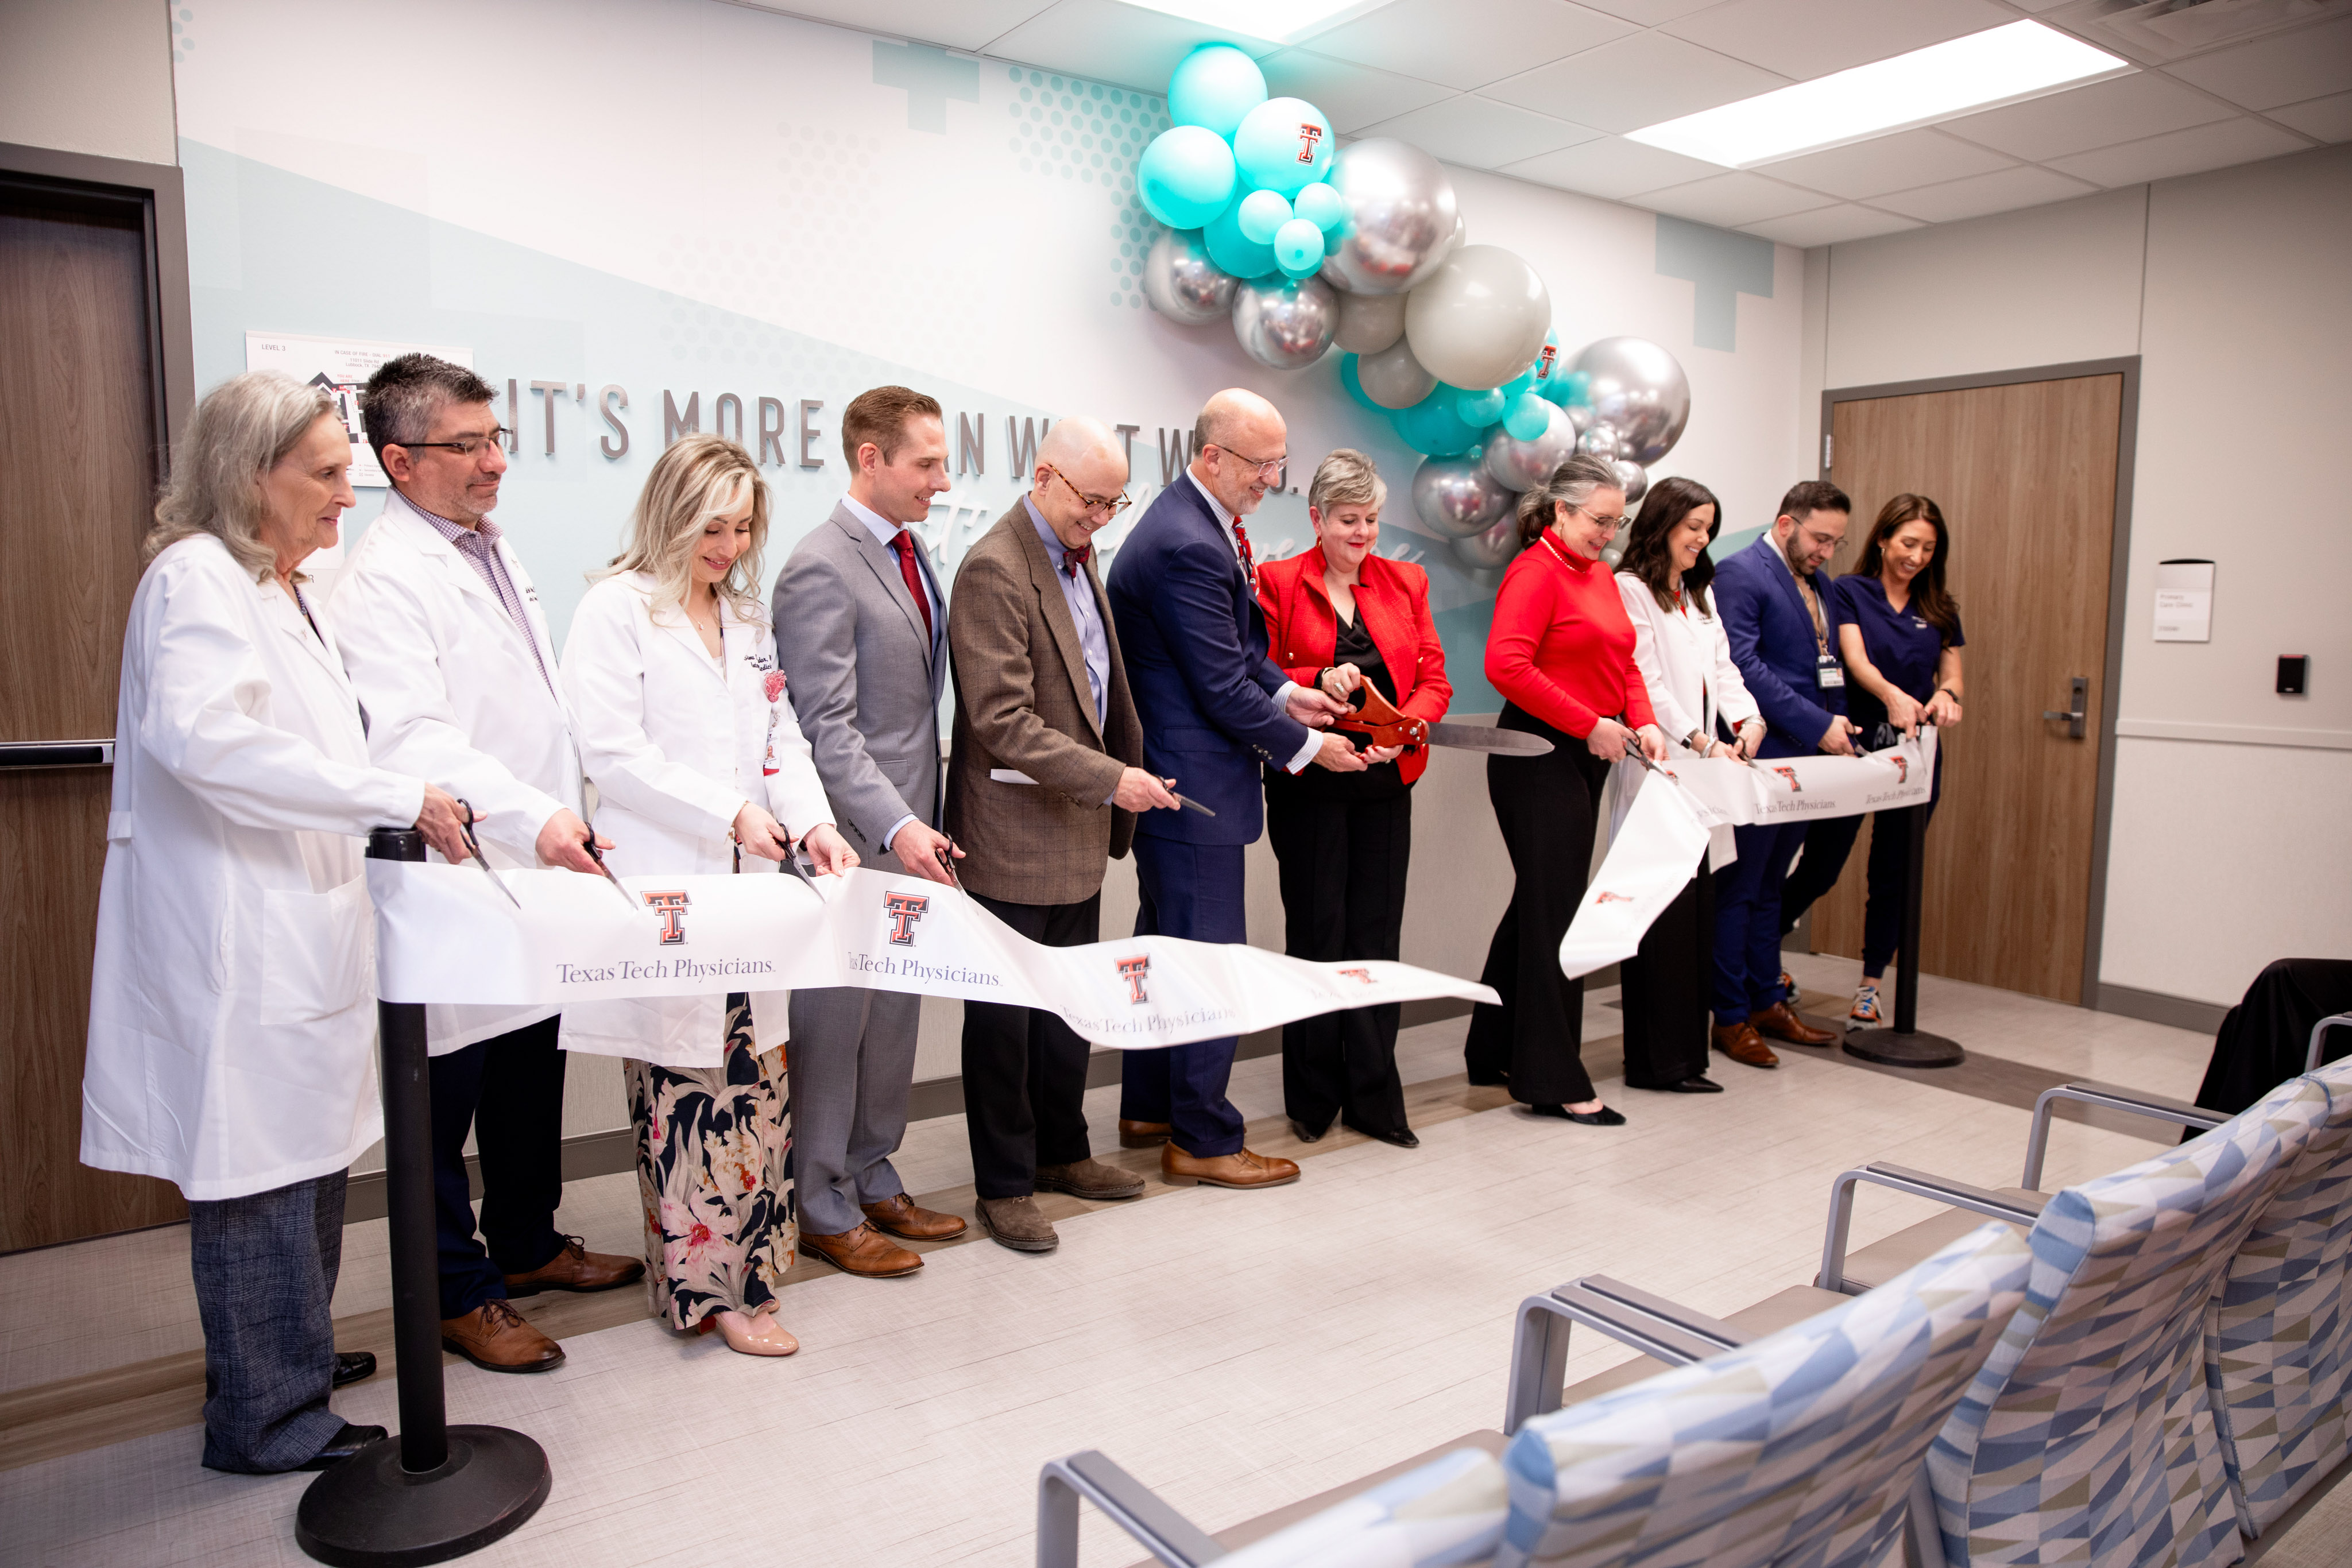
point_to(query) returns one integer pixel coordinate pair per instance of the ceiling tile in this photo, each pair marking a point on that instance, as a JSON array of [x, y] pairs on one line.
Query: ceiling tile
[[1898, 162], [1650, 12], [2287, 67], [1612, 167], [1635, 82], [2122, 109], [2235, 141], [950, 24], [2329, 119], [1481, 133], [1352, 96], [1727, 200], [1105, 41], [1467, 43], [1981, 193], [1806, 38], [1828, 226]]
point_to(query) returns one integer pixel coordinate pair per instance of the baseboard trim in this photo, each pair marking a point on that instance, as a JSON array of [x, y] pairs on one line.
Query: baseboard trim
[[2156, 1007]]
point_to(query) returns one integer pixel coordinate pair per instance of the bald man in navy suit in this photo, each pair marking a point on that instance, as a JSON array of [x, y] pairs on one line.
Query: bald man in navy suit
[[1216, 712]]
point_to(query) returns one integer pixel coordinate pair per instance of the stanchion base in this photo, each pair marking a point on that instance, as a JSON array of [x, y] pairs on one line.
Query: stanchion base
[[1889, 1048], [368, 1512]]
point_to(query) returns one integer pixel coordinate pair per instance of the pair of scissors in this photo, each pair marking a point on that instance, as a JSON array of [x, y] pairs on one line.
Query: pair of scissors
[[791, 862], [945, 854], [474, 852], [589, 843]]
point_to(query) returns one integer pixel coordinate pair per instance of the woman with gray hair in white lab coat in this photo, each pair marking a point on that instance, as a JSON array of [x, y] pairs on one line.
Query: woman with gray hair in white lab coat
[[232, 1019]]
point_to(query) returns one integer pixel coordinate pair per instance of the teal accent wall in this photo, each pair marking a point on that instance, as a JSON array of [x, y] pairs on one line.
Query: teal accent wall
[[1722, 266]]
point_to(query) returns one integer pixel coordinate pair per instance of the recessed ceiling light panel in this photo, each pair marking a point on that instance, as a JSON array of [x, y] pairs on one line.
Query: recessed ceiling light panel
[[1275, 21], [2001, 65]]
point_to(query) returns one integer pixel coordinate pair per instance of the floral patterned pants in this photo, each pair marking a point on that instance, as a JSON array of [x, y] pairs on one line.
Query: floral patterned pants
[[711, 1149]]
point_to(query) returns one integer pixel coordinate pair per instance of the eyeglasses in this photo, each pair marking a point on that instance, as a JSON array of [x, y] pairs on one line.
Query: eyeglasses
[[464, 446], [1114, 505], [1270, 470], [1612, 524]]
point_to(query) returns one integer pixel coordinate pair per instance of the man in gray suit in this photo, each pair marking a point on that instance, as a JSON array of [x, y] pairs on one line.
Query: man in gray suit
[[861, 634]]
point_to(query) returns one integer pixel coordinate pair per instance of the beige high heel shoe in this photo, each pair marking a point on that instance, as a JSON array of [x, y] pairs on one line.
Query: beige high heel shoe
[[750, 1335]]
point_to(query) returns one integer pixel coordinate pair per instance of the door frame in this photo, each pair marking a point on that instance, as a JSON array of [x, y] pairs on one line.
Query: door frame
[[157, 191], [2119, 562]]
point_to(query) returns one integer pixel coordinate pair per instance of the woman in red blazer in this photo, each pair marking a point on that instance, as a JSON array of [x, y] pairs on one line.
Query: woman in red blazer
[[1561, 652], [1339, 617]]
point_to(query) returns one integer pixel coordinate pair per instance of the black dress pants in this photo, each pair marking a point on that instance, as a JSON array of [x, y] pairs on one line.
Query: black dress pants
[[2264, 1040], [1025, 1070], [1546, 808], [1343, 870], [1665, 986], [1828, 841], [509, 1090]]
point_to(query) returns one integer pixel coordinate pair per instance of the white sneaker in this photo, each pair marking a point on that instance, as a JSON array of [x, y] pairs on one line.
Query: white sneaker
[[1865, 1013]]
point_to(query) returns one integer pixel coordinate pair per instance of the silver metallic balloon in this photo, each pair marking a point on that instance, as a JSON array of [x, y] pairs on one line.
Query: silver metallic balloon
[[1401, 216], [1455, 496], [1601, 442], [1632, 479], [1479, 318], [1371, 322], [1494, 547], [1524, 464], [1639, 390], [1394, 378], [1182, 283], [1580, 416], [1286, 324], [1438, 257]]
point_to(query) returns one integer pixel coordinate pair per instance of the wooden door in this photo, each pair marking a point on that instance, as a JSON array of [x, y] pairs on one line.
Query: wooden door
[[78, 461], [2025, 475]]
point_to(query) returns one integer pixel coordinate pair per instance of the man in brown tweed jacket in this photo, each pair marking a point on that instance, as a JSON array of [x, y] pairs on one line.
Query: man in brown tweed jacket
[[1042, 789]]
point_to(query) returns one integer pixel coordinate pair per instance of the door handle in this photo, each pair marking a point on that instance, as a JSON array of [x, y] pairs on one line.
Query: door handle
[[57, 754], [2077, 716]]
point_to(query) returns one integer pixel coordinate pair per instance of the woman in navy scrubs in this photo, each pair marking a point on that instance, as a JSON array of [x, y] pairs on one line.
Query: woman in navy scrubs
[[1901, 640]]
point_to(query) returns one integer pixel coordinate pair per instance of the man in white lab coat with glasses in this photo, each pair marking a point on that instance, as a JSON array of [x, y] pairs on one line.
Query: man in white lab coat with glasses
[[445, 643]]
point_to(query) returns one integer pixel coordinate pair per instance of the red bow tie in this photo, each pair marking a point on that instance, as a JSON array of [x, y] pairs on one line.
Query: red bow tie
[[1074, 558]]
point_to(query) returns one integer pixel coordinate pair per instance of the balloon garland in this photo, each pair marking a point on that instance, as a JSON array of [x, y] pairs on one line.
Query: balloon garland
[[1303, 246]]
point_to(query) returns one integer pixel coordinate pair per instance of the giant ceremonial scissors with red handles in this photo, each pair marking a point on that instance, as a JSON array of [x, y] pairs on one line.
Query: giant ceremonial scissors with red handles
[[1380, 722]]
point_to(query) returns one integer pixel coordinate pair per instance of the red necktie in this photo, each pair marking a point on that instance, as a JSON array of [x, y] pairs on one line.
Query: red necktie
[[1074, 558], [1249, 561], [905, 545]]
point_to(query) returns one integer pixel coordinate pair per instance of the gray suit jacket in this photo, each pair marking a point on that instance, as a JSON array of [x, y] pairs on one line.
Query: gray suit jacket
[[1023, 703], [864, 683]]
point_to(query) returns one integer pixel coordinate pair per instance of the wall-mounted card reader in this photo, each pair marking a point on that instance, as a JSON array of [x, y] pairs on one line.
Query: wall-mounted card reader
[[2293, 668]]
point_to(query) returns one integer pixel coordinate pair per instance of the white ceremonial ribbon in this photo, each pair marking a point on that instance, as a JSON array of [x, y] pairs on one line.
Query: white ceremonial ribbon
[[1654, 851], [443, 934]]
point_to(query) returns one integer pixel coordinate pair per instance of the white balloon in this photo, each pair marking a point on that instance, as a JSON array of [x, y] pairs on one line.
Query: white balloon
[[1479, 318], [1368, 322], [1394, 378]]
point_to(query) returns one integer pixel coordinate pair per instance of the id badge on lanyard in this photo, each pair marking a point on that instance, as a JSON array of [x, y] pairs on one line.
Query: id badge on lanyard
[[1828, 674]]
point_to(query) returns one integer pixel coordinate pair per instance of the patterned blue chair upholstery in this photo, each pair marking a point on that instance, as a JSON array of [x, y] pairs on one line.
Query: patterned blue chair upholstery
[[2089, 1437], [1798, 1450], [1446, 1514], [2279, 1350]]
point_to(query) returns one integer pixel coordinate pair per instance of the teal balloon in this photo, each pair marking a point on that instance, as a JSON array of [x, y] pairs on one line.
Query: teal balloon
[[1321, 206], [1283, 144], [1480, 409], [1526, 417], [1570, 389], [1213, 87], [1236, 251], [1355, 386], [1186, 176], [1262, 213], [1432, 427], [1297, 247]]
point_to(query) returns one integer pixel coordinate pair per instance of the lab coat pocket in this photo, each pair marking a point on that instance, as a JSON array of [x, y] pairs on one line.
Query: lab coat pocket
[[318, 953]]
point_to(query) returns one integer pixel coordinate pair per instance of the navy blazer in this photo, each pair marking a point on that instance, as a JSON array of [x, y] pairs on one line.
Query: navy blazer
[[1771, 636], [1195, 645]]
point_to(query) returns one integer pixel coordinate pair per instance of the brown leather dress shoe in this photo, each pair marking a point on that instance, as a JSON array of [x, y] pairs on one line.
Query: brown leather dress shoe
[[1142, 1135], [494, 1337], [864, 1252], [577, 1269], [1015, 1222], [1089, 1179], [1741, 1042], [1778, 1022], [1242, 1170], [900, 1218]]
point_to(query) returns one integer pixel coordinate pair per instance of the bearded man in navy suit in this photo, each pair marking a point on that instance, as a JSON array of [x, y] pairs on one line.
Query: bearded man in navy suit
[[1216, 712]]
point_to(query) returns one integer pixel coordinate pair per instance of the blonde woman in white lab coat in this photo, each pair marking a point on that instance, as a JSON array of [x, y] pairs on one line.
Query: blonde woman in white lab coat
[[232, 1014], [699, 765]]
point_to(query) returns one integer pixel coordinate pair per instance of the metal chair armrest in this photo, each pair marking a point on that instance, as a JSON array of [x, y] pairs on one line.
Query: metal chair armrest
[[2311, 1062], [1918, 1184], [1651, 1325], [2111, 1097], [1132, 1506]]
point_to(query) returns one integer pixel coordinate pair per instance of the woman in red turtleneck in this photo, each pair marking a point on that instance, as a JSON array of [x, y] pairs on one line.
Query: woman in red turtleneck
[[1561, 652]]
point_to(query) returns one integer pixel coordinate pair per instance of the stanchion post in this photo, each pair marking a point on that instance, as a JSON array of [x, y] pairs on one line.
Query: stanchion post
[[1905, 1045], [435, 1491]]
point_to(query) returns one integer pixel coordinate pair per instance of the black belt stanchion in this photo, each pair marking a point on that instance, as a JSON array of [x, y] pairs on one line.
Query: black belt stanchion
[[435, 1491], [1905, 1045]]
